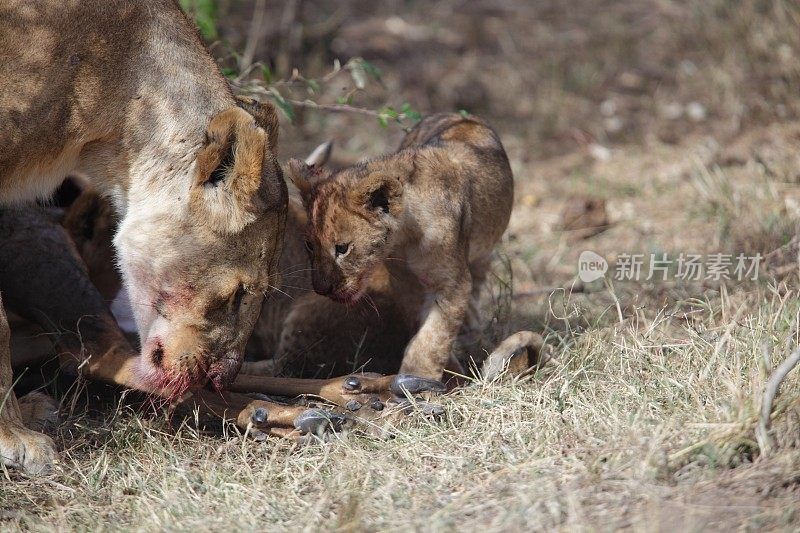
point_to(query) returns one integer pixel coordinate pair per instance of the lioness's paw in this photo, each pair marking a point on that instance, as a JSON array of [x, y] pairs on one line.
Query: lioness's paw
[[23, 448]]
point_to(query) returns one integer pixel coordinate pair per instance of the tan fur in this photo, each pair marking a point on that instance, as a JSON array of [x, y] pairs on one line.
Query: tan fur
[[308, 335], [438, 206], [70, 312], [124, 95], [299, 333]]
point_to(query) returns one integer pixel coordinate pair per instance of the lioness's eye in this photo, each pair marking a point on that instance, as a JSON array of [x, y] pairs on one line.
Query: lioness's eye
[[237, 297], [342, 249]]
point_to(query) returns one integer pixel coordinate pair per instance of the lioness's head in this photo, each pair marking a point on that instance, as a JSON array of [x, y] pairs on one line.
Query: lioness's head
[[352, 217], [198, 255]]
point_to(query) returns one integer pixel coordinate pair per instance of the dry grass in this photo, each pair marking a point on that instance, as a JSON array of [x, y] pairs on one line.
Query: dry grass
[[640, 424], [648, 419]]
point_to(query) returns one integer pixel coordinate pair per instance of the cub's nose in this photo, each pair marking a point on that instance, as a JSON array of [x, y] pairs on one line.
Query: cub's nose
[[321, 285]]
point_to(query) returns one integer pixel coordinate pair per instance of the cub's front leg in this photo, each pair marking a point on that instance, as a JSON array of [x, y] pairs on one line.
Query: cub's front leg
[[431, 349]]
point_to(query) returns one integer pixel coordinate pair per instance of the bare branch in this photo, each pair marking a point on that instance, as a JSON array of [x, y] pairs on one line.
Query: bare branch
[[765, 441], [336, 108]]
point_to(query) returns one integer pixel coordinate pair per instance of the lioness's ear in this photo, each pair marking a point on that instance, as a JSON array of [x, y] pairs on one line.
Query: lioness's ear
[[265, 116], [229, 171], [304, 176]]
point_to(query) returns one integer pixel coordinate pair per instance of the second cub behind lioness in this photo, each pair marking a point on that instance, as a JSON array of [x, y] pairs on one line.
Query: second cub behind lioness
[[439, 205]]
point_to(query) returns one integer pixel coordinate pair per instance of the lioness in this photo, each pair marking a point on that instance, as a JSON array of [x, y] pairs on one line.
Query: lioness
[[439, 205], [125, 95]]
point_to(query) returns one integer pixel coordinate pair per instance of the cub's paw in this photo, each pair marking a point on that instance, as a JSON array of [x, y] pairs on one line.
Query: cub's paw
[[20, 447], [39, 411]]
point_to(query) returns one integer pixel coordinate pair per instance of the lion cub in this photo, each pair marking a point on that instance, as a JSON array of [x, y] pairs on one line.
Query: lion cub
[[439, 205]]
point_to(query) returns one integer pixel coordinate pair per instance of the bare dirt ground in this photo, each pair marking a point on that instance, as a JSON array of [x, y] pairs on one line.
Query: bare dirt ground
[[682, 120]]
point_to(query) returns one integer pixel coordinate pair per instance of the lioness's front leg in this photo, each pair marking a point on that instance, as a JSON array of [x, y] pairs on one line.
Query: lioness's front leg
[[19, 446]]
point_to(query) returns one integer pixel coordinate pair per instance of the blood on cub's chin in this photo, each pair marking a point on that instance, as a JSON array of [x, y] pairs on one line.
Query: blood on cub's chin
[[349, 296]]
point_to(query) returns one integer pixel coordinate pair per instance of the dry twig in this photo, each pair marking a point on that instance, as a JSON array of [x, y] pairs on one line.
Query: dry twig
[[765, 441]]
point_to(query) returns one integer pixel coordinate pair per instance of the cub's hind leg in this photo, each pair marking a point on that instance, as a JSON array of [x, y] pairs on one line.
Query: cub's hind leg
[[473, 323], [19, 446]]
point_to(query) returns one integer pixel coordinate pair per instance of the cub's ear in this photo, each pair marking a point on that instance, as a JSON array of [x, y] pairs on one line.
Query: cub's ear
[[380, 194], [305, 176], [229, 171], [265, 116]]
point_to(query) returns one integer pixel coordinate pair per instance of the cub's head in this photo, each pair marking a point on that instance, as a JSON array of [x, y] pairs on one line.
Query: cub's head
[[353, 215], [198, 248]]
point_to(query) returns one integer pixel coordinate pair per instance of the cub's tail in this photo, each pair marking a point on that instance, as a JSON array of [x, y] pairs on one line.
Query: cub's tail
[[520, 354]]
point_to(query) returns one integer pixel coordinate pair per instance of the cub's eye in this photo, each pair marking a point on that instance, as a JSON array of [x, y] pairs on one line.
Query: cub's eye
[[309, 246], [342, 249]]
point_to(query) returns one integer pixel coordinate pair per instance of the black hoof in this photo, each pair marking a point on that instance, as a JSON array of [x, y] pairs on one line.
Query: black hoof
[[407, 384], [259, 416], [320, 421], [353, 405], [376, 404], [352, 384]]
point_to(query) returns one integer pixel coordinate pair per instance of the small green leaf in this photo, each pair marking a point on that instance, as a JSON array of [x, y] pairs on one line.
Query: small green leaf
[[345, 100], [229, 72], [283, 105], [389, 112], [384, 123], [204, 13], [266, 73], [410, 113], [463, 112], [313, 85], [371, 69]]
